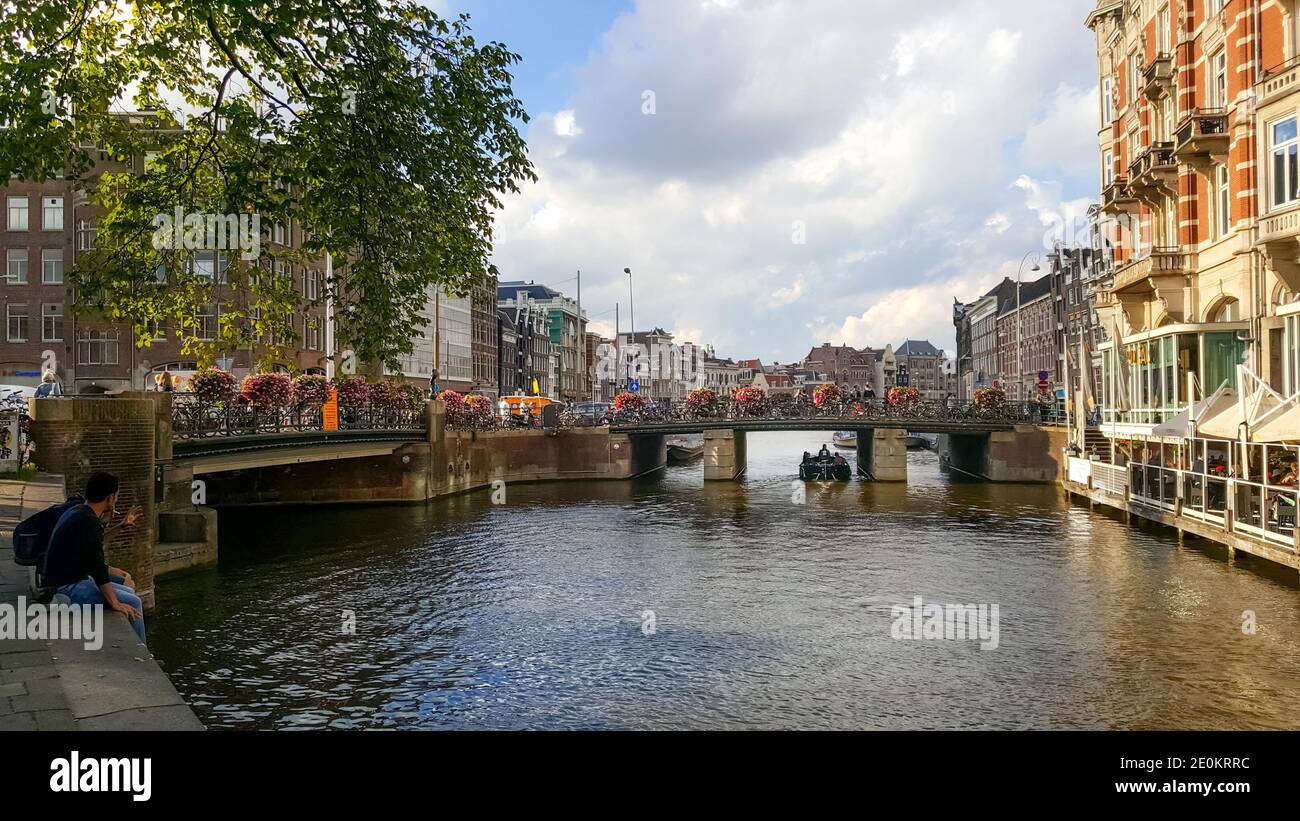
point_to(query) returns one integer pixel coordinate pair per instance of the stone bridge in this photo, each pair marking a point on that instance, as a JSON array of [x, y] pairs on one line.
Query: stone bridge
[[180, 477]]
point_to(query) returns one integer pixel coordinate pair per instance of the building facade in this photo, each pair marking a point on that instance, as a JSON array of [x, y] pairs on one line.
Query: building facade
[[484, 337], [849, 368], [566, 328], [920, 365], [1197, 149], [1027, 339], [47, 227], [530, 373]]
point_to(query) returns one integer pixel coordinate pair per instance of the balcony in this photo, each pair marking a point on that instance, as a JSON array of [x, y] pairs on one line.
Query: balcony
[[1202, 139], [1279, 239], [1163, 276], [1153, 175], [1158, 78], [1278, 82], [1116, 198], [1162, 262]]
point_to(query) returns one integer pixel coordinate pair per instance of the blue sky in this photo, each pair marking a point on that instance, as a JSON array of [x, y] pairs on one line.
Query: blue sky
[[779, 173], [554, 38]]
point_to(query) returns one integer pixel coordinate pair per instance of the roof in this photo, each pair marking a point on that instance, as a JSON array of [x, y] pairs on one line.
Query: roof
[[1029, 291], [751, 364], [508, 290], [644, 336], [913, 347]]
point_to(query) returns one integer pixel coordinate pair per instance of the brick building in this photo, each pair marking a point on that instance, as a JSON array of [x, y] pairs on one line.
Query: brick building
[[48, 226], [850, 368], [1197, 148], [484, 339], [1027, 338]]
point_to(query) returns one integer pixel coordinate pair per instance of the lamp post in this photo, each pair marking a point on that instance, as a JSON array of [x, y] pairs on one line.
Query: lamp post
[[631, 310], [1020, 373]]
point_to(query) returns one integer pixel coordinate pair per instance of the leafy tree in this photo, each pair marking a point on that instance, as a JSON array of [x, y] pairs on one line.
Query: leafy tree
[[386, 132]]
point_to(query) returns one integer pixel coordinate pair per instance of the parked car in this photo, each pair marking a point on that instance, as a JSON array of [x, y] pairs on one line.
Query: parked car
[[590, 414]]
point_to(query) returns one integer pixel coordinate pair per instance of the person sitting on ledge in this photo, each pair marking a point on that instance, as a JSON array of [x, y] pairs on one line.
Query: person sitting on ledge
[[74, 563]]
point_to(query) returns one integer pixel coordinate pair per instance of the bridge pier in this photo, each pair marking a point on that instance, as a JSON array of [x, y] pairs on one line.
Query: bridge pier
[[888, 454], [1023, 454], [724, 455], [866, 462], [78, 437]]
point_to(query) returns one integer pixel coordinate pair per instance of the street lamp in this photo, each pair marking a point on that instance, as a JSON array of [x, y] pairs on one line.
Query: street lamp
[[1020, 373], [631, 309]]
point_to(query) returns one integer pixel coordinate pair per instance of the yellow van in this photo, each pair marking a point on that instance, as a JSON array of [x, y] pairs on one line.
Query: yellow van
[[522, 405]]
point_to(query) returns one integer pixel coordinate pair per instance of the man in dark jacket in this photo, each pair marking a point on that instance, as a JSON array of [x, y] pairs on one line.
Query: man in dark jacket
[[74, 563]]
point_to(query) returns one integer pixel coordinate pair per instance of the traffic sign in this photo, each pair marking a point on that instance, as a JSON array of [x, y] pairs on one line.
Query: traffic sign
[[634, 386]]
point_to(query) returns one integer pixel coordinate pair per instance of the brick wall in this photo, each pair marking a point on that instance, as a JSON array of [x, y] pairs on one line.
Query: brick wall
[[79, 436]]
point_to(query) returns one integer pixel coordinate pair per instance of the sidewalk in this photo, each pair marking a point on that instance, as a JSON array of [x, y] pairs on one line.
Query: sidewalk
[[60, 685]]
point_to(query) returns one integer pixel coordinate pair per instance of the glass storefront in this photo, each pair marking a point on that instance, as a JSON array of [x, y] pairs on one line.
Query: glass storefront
[[1157, 365]]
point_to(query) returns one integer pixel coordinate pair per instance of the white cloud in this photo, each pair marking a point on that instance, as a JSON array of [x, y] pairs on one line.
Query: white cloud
[[566, 124], [1066, 138], [911, 189]]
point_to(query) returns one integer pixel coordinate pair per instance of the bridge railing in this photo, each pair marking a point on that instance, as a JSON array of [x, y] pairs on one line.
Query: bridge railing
[[196, 418], [860, 412]]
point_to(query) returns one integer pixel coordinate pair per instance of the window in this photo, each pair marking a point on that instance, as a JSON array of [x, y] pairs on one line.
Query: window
[[1162, 31], [1228, 311], [1282, 169], [1167, 119], [1170, 224], [16, 314], [1133, 70], [1213, 7], [1107, 169], [1219, 80], [52, 213], [17, 213], [1223, 203], [1107, 102], [205, 264], [206, 323], [52, 266], [86, 235], [97, 348], [16, 266], [52, 322]]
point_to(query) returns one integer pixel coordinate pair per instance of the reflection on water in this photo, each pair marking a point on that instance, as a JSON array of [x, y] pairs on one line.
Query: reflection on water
[[768, 614]]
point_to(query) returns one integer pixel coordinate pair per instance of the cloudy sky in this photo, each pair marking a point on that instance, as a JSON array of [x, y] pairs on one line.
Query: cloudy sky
[[779, 173]]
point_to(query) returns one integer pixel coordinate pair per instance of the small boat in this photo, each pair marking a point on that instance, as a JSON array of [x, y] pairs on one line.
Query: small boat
[[685, 448], [847, 439], [825, 470], [921, 441]]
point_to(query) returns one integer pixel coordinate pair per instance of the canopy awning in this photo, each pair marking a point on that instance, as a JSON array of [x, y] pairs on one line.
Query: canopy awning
[[1179, 426], [1223, 417], [1283, 426]]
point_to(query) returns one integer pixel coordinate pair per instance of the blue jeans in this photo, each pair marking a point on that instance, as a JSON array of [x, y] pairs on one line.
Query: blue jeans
[[87, 592]]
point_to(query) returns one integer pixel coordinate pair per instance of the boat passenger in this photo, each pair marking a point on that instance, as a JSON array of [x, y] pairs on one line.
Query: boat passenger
[[840, 461], [824, 453], [807, 457]]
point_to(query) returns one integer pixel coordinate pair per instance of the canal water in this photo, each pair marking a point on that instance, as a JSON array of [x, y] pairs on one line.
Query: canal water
[[665, 603]]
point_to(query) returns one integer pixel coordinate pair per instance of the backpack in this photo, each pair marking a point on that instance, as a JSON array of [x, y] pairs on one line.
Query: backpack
[[32, 535]]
